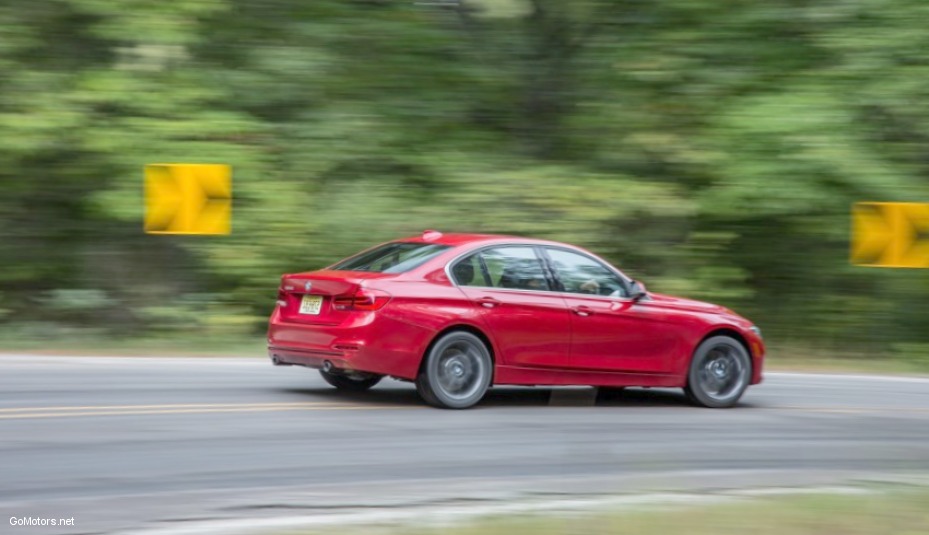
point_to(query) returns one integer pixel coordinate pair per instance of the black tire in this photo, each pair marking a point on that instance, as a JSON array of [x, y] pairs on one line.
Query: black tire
[[720, 371], [351, 382], [456, 371], [690, 396]]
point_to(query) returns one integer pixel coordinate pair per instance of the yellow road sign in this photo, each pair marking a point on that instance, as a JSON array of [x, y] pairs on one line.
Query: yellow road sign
[[187, 198], [890, 234]]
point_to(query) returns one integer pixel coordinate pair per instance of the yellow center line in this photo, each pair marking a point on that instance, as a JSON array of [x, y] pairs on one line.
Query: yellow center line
[[19, 413], [170, 406], [141, 410]]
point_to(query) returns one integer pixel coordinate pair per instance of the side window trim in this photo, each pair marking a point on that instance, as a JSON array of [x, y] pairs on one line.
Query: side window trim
[[484, 271], [549, 270], [625, 281]]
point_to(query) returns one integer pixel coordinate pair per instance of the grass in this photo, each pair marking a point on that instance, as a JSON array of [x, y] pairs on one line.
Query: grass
[[805, 359], [165, 346], [897, 512], [881, 366]]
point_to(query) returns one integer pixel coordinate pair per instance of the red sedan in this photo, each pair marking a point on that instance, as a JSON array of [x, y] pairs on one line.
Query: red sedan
[[457, 313]]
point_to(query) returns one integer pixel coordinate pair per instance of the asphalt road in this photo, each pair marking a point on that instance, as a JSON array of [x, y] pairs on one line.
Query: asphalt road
[[121, 444]]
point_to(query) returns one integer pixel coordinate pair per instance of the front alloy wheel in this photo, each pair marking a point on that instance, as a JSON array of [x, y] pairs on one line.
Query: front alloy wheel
[[456, 372], [720, 371]]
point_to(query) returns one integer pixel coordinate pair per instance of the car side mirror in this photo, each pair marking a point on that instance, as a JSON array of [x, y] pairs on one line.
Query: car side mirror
[[637, 291]]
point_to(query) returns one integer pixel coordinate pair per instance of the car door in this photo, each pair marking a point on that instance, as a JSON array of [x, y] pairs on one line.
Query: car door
[[609, 331], [530, 324]]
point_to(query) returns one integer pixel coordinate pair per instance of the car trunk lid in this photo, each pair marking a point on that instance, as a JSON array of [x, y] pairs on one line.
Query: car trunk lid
[[322, 297]]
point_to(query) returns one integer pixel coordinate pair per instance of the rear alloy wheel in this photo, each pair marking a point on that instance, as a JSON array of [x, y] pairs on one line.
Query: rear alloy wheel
[[720, 371], [351, 382], [456, 372]]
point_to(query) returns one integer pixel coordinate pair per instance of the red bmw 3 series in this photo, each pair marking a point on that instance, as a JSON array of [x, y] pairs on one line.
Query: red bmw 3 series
[[458, 313]]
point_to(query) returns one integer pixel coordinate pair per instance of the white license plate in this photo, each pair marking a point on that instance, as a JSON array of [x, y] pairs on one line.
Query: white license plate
[[310, 304]]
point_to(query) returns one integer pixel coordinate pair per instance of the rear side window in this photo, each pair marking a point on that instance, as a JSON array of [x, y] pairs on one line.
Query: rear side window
[[502, 267], [395, 257], [469, 272]]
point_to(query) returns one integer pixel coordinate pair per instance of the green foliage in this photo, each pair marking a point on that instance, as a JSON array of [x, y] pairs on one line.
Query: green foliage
[[710, 148]]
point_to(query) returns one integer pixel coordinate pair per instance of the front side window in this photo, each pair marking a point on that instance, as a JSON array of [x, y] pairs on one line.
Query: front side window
[[394, 257], [581, 274]]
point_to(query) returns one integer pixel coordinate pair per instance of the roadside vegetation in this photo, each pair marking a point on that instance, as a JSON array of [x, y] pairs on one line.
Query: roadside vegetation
[[901, 512], [710, 148]]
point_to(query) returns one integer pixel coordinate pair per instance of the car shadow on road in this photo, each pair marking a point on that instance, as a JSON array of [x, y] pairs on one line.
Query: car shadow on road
[[584, 397], [375, 396], [502, 397]]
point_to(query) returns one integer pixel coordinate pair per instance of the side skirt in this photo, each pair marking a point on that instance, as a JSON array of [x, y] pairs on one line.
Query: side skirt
[[517, 375]]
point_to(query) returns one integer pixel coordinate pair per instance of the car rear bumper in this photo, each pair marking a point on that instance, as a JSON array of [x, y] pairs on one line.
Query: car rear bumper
[[281, 356], [373, 343]]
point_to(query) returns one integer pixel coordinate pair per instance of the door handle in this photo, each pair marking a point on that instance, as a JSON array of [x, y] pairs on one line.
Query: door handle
[[581, 311], [488, 302]]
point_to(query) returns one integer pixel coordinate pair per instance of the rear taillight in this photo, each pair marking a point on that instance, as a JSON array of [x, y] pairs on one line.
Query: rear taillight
[[281, 299], [363, 299]]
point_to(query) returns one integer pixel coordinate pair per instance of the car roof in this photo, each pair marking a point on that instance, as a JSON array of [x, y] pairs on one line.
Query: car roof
[[459, 239]]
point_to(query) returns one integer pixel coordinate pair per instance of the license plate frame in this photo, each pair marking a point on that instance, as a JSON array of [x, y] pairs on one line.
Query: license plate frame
[[311, 305]]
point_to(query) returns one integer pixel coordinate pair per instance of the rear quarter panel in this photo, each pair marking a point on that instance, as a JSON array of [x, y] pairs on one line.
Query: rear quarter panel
[[418, 311]]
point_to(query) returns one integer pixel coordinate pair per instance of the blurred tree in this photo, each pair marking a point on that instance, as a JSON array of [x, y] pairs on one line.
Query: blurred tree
[[710, 147]]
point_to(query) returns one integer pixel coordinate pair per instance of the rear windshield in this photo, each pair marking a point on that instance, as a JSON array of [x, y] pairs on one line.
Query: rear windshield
[[395, 257]]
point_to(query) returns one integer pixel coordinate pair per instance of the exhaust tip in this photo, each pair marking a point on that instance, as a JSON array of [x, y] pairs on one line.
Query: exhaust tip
[[327, 366]]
